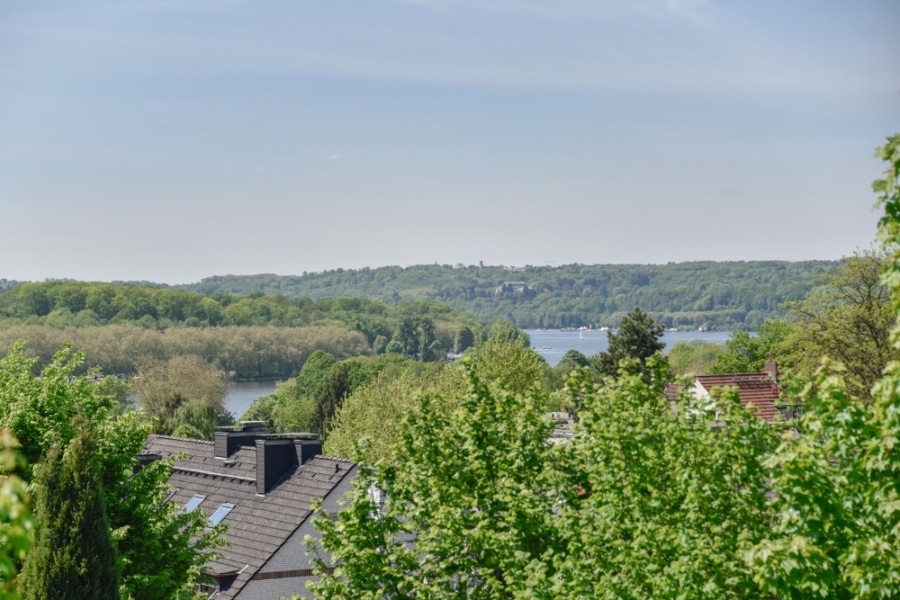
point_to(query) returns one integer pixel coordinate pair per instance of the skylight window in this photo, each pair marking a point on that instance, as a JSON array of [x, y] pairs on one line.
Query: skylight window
[[192, 503], [220, 514]]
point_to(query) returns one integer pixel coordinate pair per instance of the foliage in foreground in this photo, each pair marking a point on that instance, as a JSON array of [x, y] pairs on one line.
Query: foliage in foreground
[[74, 556], [478, 505], [469, 492], [648, 500], [838, 486], [16, 520], [159, 551], [658, 503]]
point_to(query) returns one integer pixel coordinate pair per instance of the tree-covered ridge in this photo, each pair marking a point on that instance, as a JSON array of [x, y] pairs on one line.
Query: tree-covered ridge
[[714, 295], [255, 336], [62, 303]]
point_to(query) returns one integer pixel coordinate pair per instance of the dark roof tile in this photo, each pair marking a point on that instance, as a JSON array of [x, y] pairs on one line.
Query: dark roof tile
[[258, 524]]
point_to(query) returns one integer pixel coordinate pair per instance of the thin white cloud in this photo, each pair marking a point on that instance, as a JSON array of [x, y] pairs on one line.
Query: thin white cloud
[[189, 6], [606, 10], [334, 156], [702, 60]]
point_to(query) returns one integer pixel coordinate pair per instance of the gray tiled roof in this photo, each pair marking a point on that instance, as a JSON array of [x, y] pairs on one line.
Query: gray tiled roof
[[259, 524]]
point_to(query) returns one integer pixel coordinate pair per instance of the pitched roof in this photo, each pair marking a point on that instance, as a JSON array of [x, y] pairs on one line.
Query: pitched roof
[[259, 523], [758, 389]]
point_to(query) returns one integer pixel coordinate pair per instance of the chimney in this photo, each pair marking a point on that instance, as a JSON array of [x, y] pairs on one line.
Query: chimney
[[230, 439], [306, 449], [275, 457], [772, 369], [144, 459]]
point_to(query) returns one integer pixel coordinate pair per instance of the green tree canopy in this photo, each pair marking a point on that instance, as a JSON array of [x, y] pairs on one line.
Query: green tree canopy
[[367, 425], [649, 499], [638, 338], [746, 353], [643, 502], [849, 319], [467, 492], [16, 519], [159, 552], [74, 556], [165, 386], [695, 357], [658, 503]]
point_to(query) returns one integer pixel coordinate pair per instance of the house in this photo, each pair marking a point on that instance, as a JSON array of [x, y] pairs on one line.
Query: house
[[759, 389], [515, 287], [563, 427], [261, 485]]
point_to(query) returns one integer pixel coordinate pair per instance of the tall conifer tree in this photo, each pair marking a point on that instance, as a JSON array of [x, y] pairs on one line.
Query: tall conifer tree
[[74, 556], [639, 337]]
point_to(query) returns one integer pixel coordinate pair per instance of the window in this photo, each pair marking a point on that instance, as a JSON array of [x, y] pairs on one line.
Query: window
[[377, 495], [220, 514], [192, 503]]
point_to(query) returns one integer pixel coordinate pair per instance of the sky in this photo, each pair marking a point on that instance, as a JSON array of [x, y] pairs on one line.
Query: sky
[[172, 140]]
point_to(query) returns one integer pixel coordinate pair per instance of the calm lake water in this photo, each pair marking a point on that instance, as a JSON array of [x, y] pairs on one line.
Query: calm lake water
[[552, 344], [242, 394]]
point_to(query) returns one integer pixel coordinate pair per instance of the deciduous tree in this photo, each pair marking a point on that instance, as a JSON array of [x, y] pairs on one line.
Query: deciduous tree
[[462, 513], [164, 386], [847, 319], [835, 486], [694, 358], [745, 353], [16, 519], [659, 503], [367, 425]]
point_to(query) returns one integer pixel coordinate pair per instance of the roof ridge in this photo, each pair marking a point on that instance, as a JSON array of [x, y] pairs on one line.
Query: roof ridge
[[180, 439], [331, 457], [751, 374], [213, 474]]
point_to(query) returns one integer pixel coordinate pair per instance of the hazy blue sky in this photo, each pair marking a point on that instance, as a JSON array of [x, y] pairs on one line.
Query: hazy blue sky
[[171, 140]]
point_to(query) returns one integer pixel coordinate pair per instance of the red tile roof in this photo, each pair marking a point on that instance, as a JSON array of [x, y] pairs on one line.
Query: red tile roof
[[758, 389]]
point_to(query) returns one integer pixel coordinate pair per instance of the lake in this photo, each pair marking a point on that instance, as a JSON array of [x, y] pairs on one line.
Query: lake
[[241, 395], [553, 344]]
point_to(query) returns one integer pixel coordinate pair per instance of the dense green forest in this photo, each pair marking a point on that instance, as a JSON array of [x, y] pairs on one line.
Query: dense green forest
[[251, 337], [243, 324], [713, 295]]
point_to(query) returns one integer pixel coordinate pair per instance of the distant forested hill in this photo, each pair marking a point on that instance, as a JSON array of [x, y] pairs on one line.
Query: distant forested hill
[[713, 295]]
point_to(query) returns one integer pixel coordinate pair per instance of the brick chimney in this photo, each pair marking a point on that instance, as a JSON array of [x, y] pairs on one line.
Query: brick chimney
[[772, 369]]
